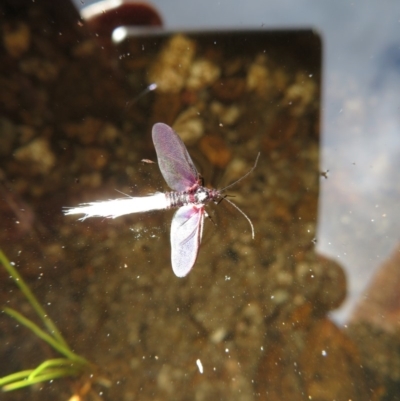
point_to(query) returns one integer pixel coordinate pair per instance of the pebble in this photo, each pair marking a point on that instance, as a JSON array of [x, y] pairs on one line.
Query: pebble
[[16, 38], [203, 73], [172, 67], [38, 154]]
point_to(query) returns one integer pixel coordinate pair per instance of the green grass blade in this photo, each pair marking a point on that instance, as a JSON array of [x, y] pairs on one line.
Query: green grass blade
[[32, 300], [45, 376], [45, 337], [15, 376], [51, 364], [51, 369]]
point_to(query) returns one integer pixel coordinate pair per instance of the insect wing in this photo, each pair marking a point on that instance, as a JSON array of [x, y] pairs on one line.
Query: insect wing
[[175, 163], [186, 233]]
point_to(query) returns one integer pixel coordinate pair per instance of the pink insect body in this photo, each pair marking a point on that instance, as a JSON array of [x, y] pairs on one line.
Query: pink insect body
[[189, 196]]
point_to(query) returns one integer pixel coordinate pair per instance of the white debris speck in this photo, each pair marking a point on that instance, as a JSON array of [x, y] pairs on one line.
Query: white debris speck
[[200, 366]]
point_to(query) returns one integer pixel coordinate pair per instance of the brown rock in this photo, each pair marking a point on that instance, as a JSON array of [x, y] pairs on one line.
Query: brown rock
[[380, 305], [375, 326], [172, 68], [229, 89], [331, 367], [332, 288], [16, 38], [96, 158], [316, 362], [38, 154], [215, 150]]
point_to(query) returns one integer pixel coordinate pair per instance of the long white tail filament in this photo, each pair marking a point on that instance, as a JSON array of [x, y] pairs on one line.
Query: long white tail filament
[[118, 207]]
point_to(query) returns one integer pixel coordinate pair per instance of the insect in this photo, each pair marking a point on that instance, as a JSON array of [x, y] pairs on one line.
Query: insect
[[189, 196]]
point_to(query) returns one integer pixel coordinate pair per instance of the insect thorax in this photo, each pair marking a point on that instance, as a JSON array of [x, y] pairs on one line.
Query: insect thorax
[[198, 196]]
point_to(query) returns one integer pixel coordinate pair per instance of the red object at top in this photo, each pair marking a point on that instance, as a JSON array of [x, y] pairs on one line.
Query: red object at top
[[105, 16]]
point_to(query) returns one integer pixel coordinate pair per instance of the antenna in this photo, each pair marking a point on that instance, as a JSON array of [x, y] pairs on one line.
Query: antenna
[[237, 207], [241, 178], [244, 214]]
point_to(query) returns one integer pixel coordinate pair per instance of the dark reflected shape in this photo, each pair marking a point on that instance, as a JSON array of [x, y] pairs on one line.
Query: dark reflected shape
[[105, 16], [375, 325], [313, 361], [380, 304]]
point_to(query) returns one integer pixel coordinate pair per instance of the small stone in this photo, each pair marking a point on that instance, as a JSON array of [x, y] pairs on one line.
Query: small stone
[[300, 95], [166, 107], [172, 67], [25, 134], [85, 49], [189, 126], [280, 296], [93, 180], [203, 73], [96, 158], [86, 131], [332, 286], [215, 150], [227, 115], [43, 70], [258, 77], [229, 89], [16, 39], [108, 133], [7, 136], [39, 154]]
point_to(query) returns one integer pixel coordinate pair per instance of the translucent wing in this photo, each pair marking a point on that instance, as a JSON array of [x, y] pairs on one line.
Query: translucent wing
[[175, 163], [186, 232]]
